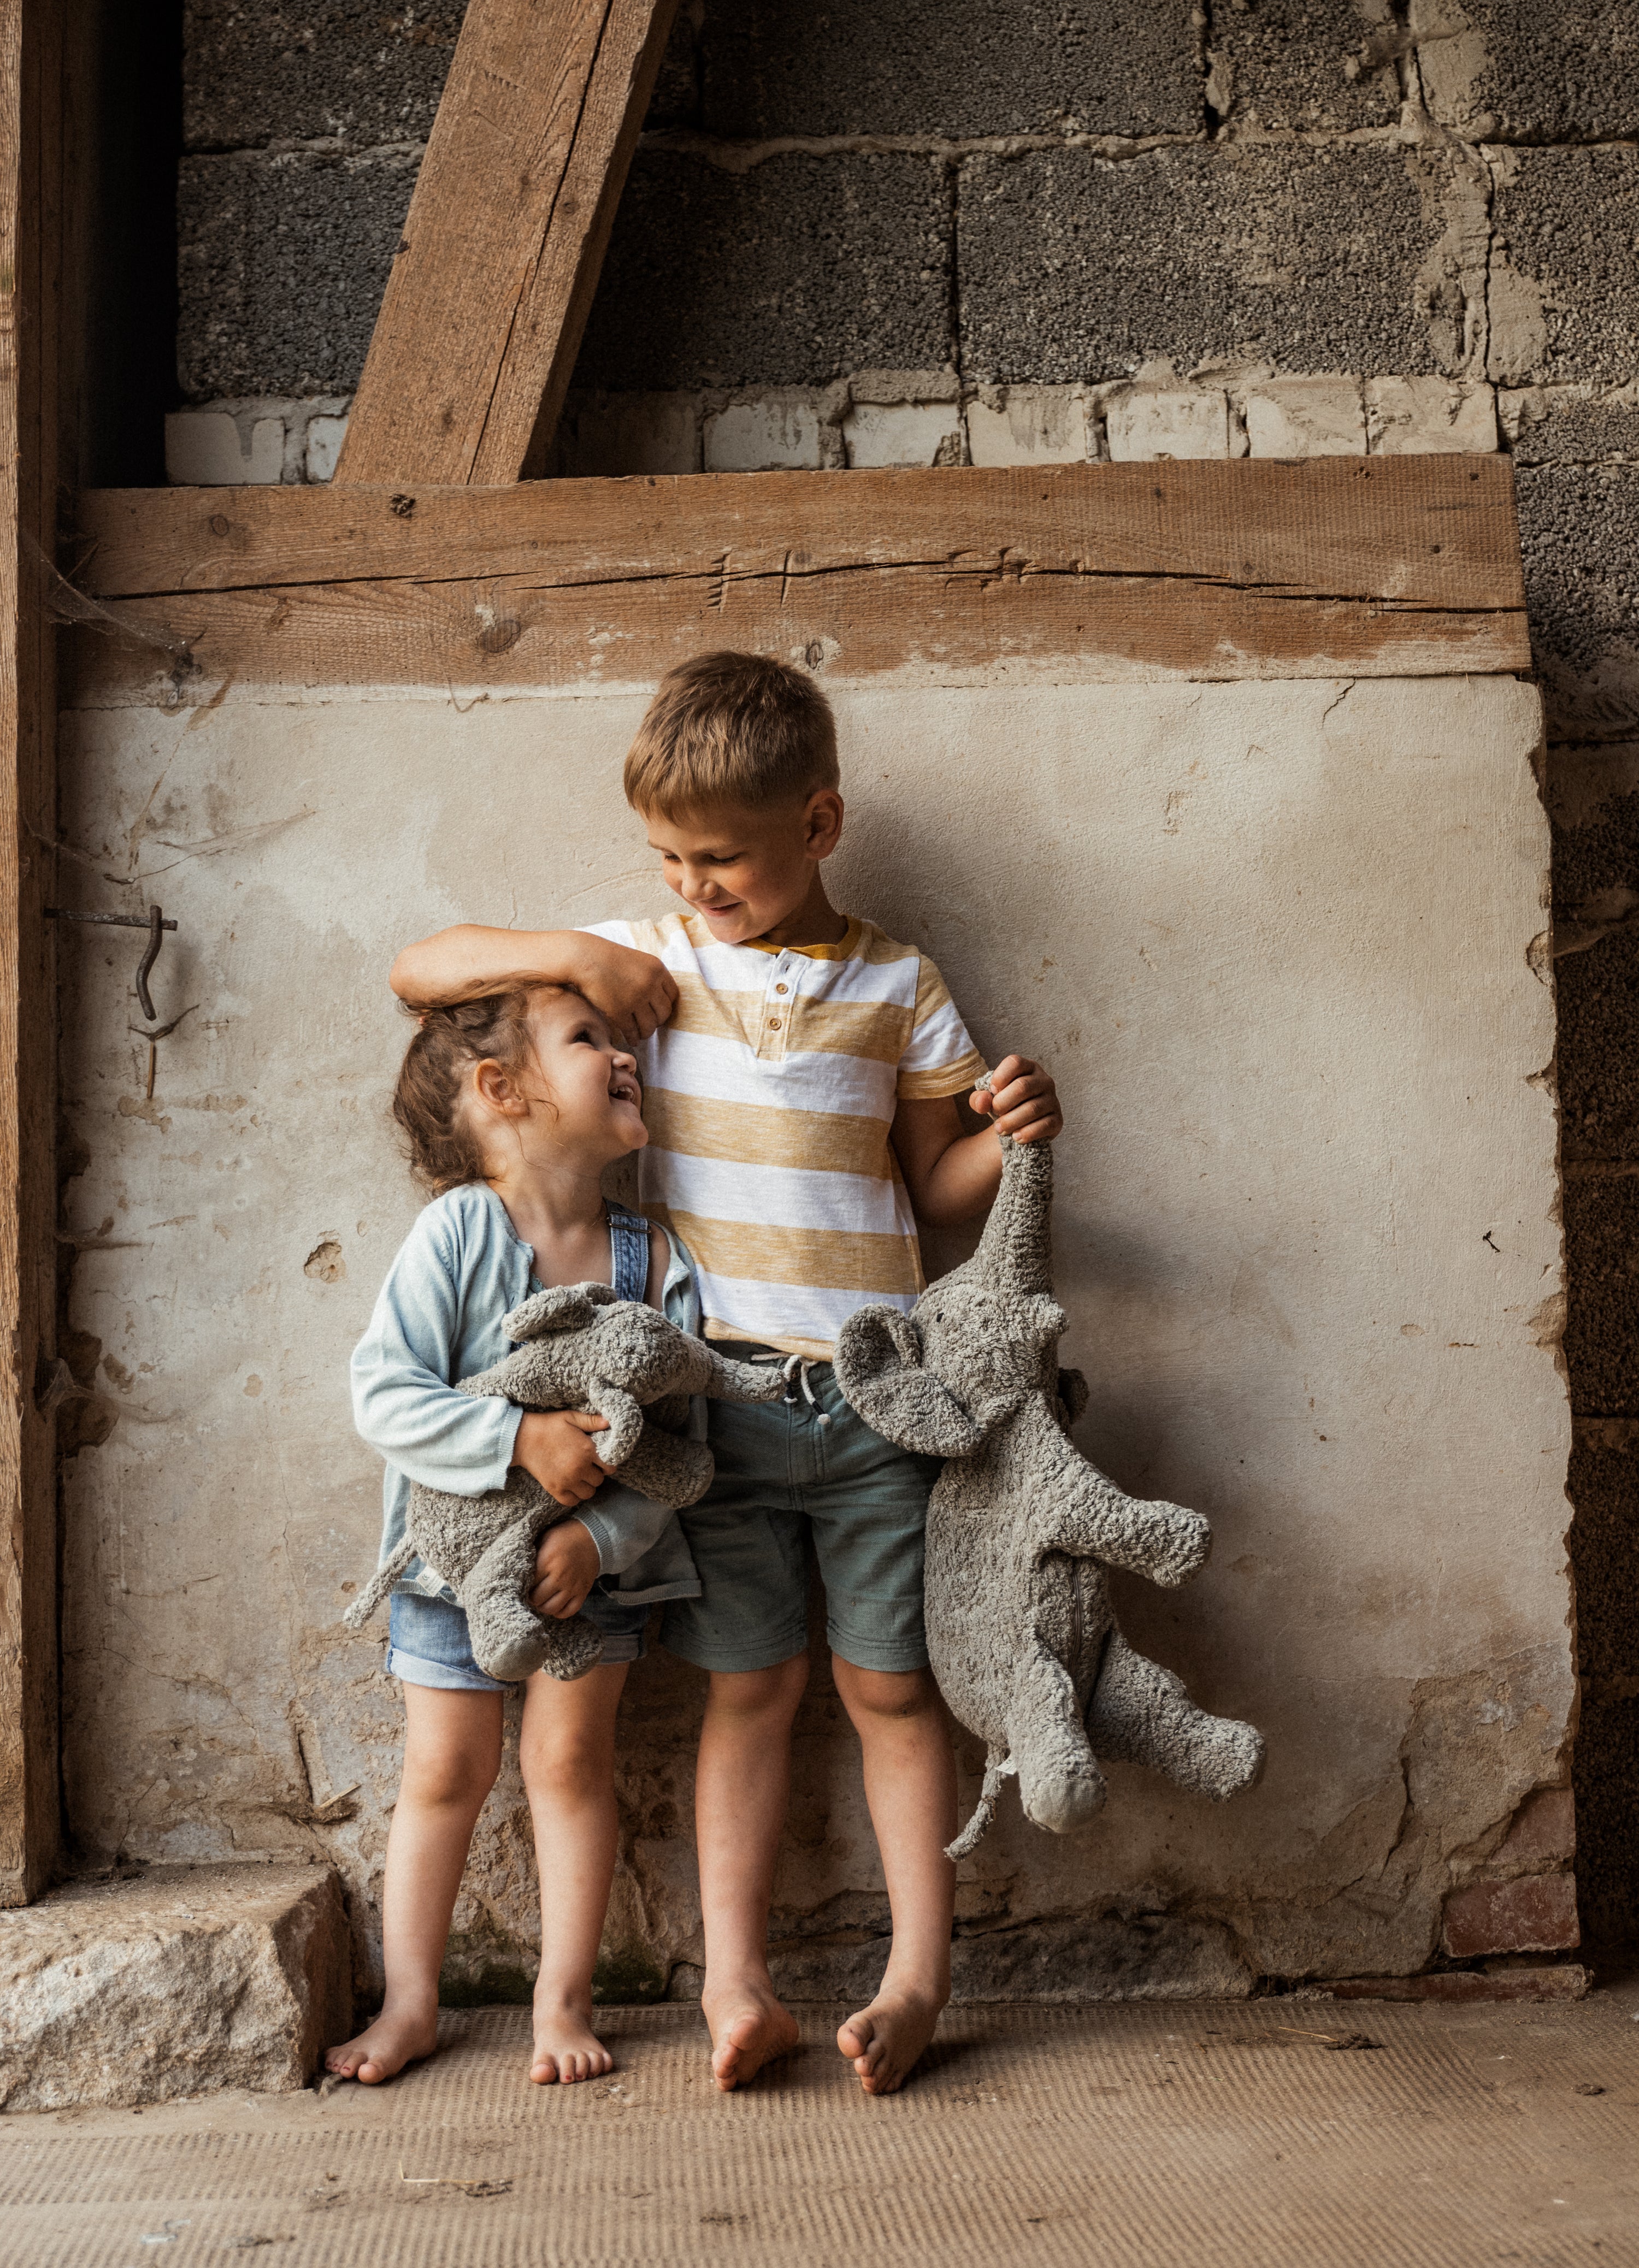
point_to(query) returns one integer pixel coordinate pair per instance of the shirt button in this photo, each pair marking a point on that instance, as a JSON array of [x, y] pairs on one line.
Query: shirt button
[[782, 988], [773, 1023]]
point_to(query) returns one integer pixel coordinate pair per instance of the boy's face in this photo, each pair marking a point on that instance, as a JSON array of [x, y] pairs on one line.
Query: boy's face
[[748, 869]]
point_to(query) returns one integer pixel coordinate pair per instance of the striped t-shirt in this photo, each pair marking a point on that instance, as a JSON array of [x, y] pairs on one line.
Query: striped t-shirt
[[769, 1097]]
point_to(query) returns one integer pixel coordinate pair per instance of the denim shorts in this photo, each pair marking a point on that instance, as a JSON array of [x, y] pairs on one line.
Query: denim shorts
[[428, 1642], [788, 1474]]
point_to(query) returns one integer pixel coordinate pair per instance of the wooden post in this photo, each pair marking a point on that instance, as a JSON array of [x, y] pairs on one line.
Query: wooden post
[[489, 293], [31, 131]]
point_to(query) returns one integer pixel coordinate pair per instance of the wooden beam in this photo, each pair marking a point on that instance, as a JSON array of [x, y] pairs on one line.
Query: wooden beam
[[489, 294], [1409, 566], [31, 127]]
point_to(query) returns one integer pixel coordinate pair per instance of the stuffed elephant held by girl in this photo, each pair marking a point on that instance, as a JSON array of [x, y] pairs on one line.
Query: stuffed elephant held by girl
[[1021, 1632], [581, 1348]]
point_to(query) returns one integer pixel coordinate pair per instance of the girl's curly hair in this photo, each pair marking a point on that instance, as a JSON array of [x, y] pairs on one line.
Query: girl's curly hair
[[444, 1149]]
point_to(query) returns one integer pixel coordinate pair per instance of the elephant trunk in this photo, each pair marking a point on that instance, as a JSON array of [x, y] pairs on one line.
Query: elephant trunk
[[1016, 1251]]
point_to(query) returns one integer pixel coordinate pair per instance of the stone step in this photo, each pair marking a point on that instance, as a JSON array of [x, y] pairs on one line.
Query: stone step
[[172, 1981]]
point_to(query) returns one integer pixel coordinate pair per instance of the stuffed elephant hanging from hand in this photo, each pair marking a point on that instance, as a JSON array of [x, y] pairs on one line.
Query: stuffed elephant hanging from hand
[[1020, 1633]]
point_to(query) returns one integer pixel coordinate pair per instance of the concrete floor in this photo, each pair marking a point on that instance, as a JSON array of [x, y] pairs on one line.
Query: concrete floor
[[1149, 2135]]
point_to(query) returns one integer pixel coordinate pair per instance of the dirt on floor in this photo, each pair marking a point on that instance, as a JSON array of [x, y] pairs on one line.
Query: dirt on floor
[[1245, 2135]]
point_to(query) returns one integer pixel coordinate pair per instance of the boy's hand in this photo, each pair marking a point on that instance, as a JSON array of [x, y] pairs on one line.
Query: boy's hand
[[552, 1445], [633, 990], [1021, 1101], [566, 1566]]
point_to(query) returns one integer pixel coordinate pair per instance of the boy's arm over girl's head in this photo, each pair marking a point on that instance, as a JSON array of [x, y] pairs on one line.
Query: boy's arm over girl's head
[[633, 990]]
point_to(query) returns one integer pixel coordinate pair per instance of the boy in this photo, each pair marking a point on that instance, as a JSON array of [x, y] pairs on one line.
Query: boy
[[801, 1074]]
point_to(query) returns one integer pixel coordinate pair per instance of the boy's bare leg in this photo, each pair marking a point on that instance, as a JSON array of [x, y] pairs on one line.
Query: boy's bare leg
[[566, 1754], [911, 1786], [452, 1754], [742, 1785]]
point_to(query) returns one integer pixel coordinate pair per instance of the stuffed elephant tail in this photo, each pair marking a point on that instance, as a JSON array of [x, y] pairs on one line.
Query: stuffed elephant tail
[[999, 1766], [379, 1583]]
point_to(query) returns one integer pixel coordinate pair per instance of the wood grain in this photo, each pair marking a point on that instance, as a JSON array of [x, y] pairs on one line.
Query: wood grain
[[488, 296], [32, 85], [1410, 567]]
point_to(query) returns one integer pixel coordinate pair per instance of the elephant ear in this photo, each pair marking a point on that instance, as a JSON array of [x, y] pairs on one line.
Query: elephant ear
[[564, 1308], [878, 1362]]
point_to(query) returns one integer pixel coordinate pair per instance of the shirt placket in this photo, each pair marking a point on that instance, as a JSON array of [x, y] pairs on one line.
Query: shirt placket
[[779, 1000]]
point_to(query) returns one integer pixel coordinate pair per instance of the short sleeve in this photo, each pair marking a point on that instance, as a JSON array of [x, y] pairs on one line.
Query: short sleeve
[[618, 932], [940, 1058]]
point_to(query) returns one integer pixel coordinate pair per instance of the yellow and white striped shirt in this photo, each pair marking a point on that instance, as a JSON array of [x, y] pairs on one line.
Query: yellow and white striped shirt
[[769, 1098]]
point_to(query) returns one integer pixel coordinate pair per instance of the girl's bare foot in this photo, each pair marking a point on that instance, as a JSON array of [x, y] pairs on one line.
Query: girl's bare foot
[[749, 2028], [883, 2042], [566, 2048], [383, 2049]]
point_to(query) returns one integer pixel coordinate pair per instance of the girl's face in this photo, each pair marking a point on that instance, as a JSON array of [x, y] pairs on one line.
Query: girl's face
[[580, 1098]]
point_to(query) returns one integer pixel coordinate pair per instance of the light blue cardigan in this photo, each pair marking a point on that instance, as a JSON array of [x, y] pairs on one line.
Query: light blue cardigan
[[461, 1267]]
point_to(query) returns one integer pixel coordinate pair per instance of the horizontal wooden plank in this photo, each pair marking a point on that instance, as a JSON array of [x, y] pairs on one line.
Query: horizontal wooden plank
[[1406, 567]]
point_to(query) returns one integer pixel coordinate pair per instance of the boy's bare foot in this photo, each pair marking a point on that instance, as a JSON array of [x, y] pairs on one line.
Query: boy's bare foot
[[749, 2028], [884, 2041], [383, 2049], [566, 2048]]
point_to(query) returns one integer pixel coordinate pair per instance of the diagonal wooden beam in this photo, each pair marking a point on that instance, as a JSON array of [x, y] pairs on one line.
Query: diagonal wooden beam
[[489, 293]]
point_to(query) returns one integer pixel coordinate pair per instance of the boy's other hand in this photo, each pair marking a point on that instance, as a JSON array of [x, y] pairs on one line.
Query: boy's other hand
[[633, 990], [553, 1445], [566, 1566], [1021, 1101]]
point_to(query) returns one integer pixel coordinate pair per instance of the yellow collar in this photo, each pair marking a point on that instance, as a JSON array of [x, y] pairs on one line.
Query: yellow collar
[[845, 947]]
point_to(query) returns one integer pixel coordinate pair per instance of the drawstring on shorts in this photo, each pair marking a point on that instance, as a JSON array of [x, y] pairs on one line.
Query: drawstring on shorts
[[795, 1369]]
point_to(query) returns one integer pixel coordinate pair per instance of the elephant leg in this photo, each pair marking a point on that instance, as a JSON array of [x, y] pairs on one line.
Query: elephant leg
[[666, 1468], [1059, 1783], [1140, 1714], [509, 1639]]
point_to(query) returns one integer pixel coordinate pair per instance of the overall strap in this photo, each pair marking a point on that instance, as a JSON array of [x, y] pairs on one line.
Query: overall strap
[[629, 1248]]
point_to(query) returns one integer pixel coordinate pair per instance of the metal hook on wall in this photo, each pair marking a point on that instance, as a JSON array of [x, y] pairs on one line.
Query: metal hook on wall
[[153, 921]]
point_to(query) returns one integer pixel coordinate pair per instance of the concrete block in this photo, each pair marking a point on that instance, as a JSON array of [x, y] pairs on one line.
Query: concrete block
[[1536, 1914], [352, 71], [1030, 425], [1303, 66], [1072, 268], [777, 434], [792, 273], [1158, 420], [209, 448], [902, 433], [1571, 424], [1605, 1772], [1604, 1486], [1579, 533], [1306, 417], [282, 260], [1496, 72], [675, 102], [325, 437], [1429, 417], [1602, 1255], [602, 435], [1565, 268], [951, 67], [182, 1981]]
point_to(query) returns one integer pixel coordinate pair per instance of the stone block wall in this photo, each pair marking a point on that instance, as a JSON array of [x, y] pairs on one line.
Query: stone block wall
[[870, 233]]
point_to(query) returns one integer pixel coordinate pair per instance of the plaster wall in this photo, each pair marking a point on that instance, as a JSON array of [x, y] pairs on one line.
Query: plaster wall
[[1283, 944]]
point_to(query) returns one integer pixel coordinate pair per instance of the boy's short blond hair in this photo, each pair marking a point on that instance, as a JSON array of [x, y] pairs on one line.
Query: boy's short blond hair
[[738, 728]]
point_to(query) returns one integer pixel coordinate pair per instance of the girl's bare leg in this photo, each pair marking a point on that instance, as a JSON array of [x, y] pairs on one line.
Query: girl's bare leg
[[743, 1786], [911, 1786], [566, 1753], [452, 1754]]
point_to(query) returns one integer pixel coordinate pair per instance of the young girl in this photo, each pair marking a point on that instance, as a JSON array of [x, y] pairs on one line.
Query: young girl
[[513, 1106]]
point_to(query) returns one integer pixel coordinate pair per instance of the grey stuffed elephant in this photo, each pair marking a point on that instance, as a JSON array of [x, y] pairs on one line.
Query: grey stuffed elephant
[[581, 1348], [1020, 1633]]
